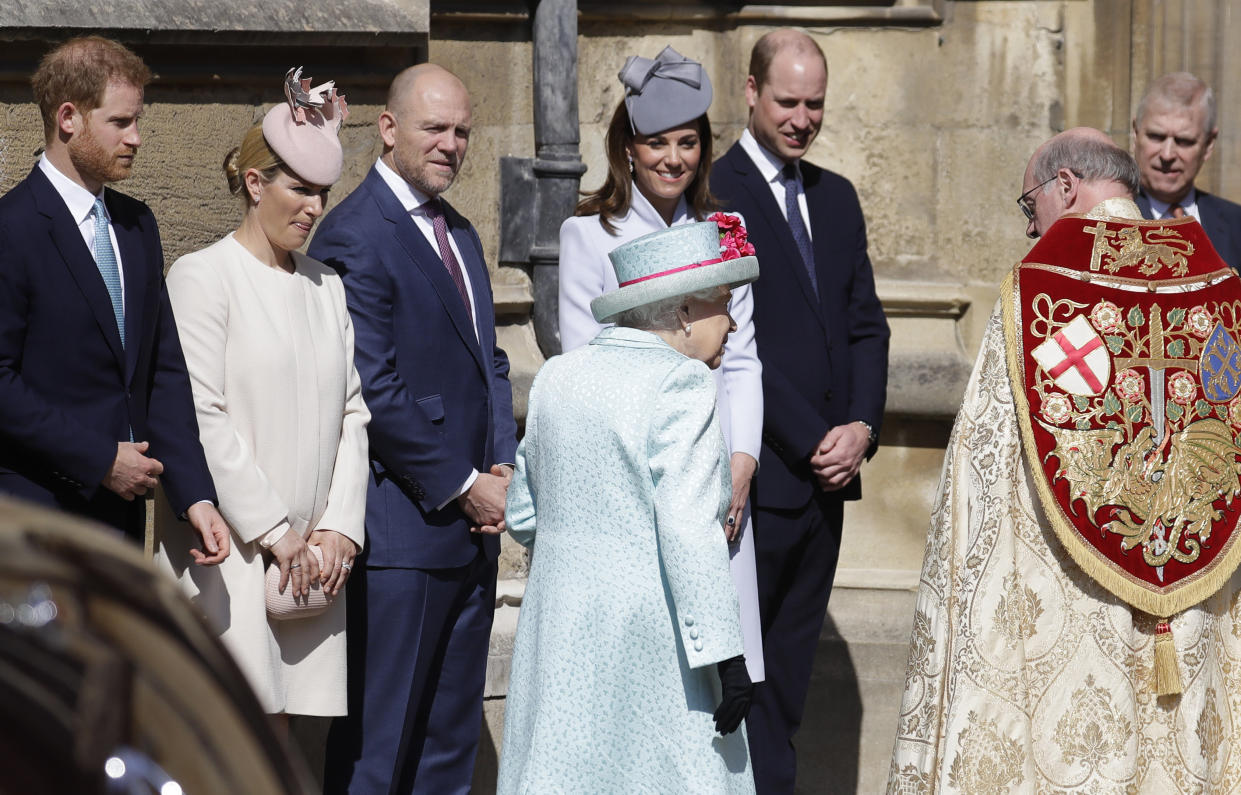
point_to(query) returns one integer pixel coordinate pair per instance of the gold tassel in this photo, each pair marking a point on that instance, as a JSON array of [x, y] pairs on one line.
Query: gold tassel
[[1167, 671]]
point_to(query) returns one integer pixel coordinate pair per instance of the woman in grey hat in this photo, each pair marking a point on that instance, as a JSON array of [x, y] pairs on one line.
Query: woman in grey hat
[[659, 159], [628, 673]]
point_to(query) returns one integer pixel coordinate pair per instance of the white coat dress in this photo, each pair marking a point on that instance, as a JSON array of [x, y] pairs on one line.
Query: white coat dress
[[586, 273], [283, 424]]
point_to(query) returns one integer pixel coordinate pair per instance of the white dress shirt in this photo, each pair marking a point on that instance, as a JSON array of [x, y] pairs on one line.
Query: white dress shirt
[[414, 201], [1189, 204], [770, 167], [81, 204]]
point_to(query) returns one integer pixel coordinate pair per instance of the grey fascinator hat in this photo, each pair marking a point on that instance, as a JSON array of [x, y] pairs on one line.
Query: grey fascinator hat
[[664, 92]]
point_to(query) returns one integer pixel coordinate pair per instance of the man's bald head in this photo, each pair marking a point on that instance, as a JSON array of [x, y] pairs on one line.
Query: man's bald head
[[1073, 172], [426, 126]]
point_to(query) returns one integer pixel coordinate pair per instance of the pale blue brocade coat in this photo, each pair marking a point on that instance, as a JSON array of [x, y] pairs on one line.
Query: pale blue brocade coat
[[624, 473]]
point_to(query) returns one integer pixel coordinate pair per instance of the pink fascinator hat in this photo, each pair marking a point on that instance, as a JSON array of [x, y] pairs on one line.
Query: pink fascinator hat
[[303, 130]]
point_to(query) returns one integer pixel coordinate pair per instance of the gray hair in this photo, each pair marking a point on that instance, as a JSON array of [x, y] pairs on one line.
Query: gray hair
[[661, 315], [1091, 160], [1179, 90]]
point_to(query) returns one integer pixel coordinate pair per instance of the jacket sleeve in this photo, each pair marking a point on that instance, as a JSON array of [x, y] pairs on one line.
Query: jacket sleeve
[[346, 501], [402, 433], [689, 469], [503, 421], [248, 502], [53, 438], [743, 377], [520, 513], [868, 340], [581, 281], [172, 422]]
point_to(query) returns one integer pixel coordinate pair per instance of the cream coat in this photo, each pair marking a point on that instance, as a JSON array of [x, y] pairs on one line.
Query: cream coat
[[283, 424]]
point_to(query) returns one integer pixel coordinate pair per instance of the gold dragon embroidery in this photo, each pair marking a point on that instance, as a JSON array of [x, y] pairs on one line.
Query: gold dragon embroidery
[[1163, 493]]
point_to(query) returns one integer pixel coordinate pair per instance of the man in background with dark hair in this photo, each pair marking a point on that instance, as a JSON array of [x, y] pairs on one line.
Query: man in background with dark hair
[[823, 343], [1174, 133], [95, 401]]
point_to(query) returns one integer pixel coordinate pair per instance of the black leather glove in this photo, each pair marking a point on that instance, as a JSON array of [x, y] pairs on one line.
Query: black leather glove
[[738, 693]]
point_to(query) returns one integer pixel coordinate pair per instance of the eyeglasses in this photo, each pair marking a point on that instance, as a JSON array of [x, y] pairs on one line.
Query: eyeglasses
[[1025, 201]]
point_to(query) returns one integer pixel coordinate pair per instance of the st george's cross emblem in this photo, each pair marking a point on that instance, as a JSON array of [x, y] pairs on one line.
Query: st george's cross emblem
[[1127, 382], [1075, 358]]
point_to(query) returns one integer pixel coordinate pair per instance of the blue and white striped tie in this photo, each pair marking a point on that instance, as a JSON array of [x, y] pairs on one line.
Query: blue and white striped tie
[[105, 259]]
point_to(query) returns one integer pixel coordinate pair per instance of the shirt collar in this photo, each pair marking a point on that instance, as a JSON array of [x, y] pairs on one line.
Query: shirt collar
[[1160, 209], [641, 209], [410, 197], [768, 164], [79, 200]]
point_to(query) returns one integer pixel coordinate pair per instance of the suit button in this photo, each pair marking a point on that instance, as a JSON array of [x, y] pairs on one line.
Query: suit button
[[693, 633], [689, 621], [697, 645], [828, 396]]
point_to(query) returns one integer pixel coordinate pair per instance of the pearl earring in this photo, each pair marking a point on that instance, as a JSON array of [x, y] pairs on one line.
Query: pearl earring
[[688, 326]]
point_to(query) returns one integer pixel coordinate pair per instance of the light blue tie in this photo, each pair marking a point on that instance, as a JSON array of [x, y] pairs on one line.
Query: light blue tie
[[105, 259]]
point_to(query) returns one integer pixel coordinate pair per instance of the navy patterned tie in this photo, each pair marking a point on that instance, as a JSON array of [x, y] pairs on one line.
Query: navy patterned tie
[[797, 225], [105, 260], [440, 224]]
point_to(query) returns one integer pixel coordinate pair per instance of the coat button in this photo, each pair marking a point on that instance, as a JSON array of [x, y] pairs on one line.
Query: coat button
[[697, 645], [828, 396], [693, 633], [689, 621]]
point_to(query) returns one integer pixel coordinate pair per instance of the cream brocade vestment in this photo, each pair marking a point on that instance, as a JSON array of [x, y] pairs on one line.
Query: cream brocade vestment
[[1024, 674]]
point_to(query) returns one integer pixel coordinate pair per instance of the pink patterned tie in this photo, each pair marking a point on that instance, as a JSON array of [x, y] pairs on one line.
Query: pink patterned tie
[[435, 212]]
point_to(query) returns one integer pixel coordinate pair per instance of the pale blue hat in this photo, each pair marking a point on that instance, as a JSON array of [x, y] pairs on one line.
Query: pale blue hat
[[671, 262], [665, 92]]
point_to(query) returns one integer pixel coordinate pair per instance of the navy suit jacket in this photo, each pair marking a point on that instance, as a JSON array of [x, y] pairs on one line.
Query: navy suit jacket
[[69, 391], [439, 397], [825, 360], [1220, 218]]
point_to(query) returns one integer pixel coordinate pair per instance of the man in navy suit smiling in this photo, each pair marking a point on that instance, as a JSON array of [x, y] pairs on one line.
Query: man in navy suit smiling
[[95, 401], [823, 342], [1174, 133], [442, 439]]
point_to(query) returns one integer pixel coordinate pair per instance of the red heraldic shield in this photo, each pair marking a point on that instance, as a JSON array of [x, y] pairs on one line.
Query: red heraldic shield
[[1124, 351]]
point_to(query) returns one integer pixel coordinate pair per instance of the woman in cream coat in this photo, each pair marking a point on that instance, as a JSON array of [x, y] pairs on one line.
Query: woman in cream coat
[[269, 348], [659, 158]]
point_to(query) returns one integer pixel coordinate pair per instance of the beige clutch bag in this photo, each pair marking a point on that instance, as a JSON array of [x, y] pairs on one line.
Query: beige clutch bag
[[282, 606]]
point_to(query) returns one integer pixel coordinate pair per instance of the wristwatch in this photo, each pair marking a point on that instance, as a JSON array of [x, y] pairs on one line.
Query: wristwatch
[[871, 436]]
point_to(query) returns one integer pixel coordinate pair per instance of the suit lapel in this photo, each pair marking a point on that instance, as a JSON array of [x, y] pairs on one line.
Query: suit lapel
[[67, 241], [778, 228], [132, 254], [476, 270], [1144, 204], [427, 260]]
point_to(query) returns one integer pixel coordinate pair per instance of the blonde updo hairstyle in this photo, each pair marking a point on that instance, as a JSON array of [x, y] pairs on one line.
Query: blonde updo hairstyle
[[253, 153]]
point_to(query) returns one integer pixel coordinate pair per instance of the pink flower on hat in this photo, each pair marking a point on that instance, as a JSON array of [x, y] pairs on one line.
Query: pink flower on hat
[[733, 243]]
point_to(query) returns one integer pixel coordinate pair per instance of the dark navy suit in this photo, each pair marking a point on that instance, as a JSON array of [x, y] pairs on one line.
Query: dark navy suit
[[824, 364], [69, 391], [441, 404], [1220, 218]]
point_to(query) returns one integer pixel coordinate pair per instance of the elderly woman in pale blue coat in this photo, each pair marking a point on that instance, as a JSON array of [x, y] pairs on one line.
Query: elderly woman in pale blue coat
[[658, 148], [628, 673]]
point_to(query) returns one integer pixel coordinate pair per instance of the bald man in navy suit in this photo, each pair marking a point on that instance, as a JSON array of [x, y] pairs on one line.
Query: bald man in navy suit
[[1174, 132]]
